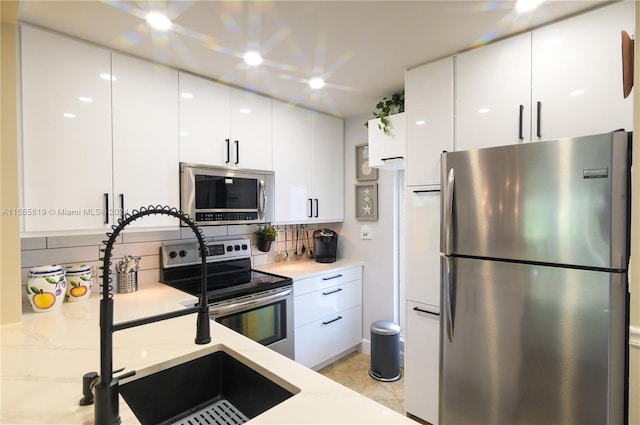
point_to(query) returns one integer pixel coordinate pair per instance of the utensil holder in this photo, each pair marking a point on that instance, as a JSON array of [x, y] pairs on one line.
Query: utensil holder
[[127, 282]]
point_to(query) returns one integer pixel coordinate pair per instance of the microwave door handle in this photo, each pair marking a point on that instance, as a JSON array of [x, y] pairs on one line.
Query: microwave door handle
[[262, 195]]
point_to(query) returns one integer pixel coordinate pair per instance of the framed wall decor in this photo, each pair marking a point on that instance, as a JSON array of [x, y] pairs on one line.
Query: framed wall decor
[[363, 171], [366, 201]]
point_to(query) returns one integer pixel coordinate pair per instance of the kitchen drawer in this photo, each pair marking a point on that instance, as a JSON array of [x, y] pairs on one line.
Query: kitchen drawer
[[325, 302], [327, 280], [323, 339]]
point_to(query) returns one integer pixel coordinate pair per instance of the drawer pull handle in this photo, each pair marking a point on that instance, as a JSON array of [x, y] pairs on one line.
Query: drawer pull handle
[[332, 320], [426, 311], [332, 277], [332, 292]]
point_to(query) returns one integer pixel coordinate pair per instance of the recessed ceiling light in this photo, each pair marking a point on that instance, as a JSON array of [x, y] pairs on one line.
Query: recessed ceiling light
[[252, 58], [316, 83], [158, 21], [524, 6]]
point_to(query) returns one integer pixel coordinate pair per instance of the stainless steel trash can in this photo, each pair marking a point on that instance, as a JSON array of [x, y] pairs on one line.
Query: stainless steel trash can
[[385, 351]]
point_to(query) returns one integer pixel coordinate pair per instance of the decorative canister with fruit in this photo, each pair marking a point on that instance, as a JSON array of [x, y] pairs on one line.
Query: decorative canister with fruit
[[46, 288], [79, 282]]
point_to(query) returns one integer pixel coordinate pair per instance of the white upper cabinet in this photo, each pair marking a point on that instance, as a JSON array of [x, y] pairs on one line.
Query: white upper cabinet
[[145, 137], [387, 150], [66, 132], [292, 143], [327, 168], [308, 160], [204, 121], [429, 106], [493, 94], [251, 145], [577, 74]]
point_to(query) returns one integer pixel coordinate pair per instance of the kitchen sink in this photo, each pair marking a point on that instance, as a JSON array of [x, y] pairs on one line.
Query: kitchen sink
[[220, 387]]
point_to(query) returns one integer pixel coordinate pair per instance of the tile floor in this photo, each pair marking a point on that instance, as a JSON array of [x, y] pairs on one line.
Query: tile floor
[[353, 371]]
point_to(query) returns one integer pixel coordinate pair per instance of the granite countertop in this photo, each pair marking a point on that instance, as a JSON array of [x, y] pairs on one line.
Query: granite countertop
[[45, 355]]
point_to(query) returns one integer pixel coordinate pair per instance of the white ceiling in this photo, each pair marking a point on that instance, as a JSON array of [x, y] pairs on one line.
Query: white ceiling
[[361, 48]]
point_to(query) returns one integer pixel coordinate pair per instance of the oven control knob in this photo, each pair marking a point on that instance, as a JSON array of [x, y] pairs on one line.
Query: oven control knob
[[173, 254], [244, 246], [183, 253], [229, 248], [237, 247]]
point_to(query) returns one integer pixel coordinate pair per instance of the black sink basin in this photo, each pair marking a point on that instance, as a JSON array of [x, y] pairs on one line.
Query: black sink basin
[[219, 383]]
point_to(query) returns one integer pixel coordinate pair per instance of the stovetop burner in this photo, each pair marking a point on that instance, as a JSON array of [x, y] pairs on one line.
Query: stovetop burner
[[229, 273]]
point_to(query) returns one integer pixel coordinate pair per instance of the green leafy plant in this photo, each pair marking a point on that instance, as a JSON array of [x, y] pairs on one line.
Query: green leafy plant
[[386, 107], [265, 232]]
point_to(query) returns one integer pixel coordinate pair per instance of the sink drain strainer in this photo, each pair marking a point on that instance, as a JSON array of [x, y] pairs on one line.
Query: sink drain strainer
[[219, 413]]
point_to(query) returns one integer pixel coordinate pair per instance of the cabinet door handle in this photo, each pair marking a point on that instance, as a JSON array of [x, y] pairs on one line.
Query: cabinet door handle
[[237, 142], [391, 158], [332, 320], [520, 122], [420, 310], [332, 277], [122, 206], [106, 208], [539, 125], [310, 207], [332, 292], [427, 191], [316, 200], [228, 153]]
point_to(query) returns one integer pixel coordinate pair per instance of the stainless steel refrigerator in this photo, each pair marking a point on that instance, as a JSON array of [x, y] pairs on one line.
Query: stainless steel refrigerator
[[534, 300]]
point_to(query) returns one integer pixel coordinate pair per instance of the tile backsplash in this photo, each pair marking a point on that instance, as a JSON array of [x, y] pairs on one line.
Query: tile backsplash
[[85, 249]]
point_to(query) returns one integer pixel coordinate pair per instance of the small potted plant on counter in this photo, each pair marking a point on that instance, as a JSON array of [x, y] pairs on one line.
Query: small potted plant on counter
[[265, 234]]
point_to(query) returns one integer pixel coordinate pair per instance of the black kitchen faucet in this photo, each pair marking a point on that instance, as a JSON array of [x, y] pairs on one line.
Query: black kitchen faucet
[[107, 410]]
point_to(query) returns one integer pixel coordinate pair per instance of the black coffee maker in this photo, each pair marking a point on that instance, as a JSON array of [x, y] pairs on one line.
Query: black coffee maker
[[325, 243]]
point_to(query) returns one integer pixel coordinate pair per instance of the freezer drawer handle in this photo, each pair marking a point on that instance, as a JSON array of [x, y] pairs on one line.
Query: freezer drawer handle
[[332, 277], [332, 320], [419, 310], [332, 292]]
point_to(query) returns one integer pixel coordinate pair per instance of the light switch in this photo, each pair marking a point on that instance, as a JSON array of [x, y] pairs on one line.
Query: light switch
[[365, 232]]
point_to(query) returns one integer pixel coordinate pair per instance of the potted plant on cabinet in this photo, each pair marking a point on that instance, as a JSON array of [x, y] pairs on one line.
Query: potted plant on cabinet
[[265, 234], [387, 107]]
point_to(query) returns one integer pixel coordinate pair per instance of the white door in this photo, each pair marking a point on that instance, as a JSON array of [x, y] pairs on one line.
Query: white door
[[429, 105], [145, 137], [422, 361], [66, 132], [327, 165], [493, 94], [251, 143], [204, 121], [422, 244], [577, 74], [292, 144]]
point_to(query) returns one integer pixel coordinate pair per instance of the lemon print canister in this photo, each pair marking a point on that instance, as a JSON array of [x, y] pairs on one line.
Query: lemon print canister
[[79, 282], [46, 288]]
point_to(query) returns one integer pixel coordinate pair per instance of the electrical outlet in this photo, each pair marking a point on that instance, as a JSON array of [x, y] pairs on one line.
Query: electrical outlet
[[365, 233]]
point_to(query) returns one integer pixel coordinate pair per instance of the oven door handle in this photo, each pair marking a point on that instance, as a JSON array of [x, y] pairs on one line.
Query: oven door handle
[[257, 301]]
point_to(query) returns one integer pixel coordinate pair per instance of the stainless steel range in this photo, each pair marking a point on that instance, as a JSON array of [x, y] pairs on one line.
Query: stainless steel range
[[255, 304]]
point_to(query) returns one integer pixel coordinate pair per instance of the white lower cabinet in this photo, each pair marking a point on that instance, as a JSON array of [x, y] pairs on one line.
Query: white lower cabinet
[[422, 361], [328, 315]]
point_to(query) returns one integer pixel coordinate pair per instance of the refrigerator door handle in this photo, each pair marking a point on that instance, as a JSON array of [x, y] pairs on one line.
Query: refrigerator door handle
[[448, 286], [448, 213]]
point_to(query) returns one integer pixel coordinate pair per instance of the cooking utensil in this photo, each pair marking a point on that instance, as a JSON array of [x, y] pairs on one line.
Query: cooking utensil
[[297, 240], [286, 242], [310, 245], [304, 248]]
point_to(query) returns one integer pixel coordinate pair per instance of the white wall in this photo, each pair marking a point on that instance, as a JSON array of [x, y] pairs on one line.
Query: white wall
[[377, 253]]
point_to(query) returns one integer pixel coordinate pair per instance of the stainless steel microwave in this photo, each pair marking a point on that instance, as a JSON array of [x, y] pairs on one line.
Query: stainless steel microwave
[[219, 195]]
